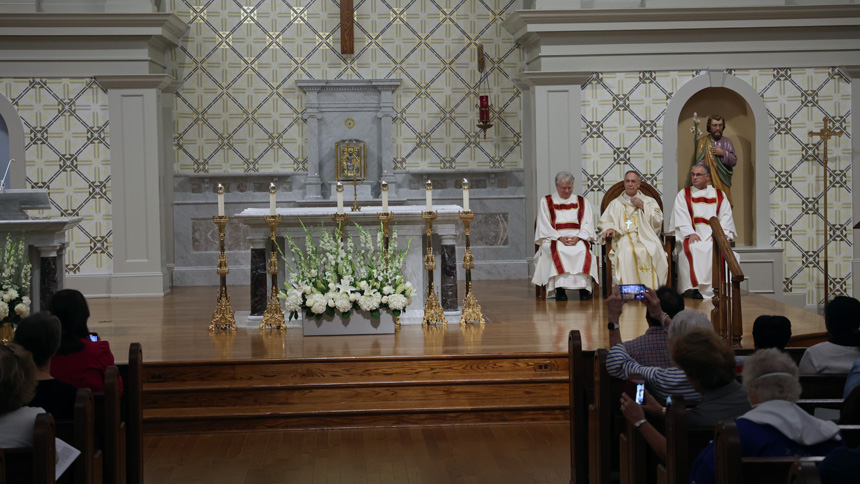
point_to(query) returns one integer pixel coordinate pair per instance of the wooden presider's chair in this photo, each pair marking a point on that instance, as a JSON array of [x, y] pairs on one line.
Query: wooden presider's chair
[[668, 241]]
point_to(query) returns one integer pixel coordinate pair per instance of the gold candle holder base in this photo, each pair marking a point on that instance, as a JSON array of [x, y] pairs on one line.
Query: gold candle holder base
[[340, 219], [433, 313], [223, 318], [471, 311], [273, 316]]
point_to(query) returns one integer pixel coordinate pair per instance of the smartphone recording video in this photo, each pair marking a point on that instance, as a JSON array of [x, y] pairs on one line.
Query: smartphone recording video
[[94, 337], [635, 388], [632, 291]]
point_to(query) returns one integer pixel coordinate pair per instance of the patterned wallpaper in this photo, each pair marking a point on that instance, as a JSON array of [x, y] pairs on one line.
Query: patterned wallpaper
[[68, 153], [622, 117], [239, 109]]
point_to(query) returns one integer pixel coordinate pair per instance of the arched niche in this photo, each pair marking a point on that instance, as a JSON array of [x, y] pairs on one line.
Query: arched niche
[[15, 126], [740, 128], [760, 147]]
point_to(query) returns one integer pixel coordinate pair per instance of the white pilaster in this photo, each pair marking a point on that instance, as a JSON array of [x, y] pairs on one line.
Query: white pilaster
[[854, 73], [137, 164]]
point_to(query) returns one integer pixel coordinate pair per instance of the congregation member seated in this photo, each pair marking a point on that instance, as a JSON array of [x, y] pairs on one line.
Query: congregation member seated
[[776, 426], [652, 348], [709, 364], [842, 319], [660, 382], [853, 379], [17, 387], [40, 335], [840, 466], [79, 361], [768, 332]]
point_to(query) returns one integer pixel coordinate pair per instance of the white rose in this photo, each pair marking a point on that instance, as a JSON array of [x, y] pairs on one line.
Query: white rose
[[313, 272], [353, 296], [306, 289], [408, 285], [22, 310], [387, 290], [4, 310]]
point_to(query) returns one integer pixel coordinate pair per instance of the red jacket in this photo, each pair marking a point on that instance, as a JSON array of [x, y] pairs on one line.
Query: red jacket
[[86, 368]]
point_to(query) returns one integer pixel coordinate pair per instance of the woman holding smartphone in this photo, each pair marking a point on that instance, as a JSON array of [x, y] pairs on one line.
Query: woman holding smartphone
[[80, 361]]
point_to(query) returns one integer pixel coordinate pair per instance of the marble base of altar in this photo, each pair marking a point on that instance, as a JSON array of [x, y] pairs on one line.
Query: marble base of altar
[[359, 322], [409, 224]]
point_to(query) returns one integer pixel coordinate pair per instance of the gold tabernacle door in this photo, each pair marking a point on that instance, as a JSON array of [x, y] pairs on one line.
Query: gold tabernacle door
[[351, 160]]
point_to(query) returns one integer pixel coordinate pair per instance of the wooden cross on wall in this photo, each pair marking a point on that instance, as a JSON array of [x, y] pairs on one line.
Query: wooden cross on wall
[[347, 34], [825, 134]]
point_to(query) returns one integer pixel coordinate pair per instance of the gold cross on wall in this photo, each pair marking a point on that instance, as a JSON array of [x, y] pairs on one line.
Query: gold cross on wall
[[825, 134]]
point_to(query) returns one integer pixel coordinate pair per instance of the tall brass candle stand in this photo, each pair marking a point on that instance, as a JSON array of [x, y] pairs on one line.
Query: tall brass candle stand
[[471, 308], [273, 317], [223, 318], [433, 313], [386, 218]]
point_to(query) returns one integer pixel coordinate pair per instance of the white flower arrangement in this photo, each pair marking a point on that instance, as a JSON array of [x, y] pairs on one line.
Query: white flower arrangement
[[14, 281], [337, 276]]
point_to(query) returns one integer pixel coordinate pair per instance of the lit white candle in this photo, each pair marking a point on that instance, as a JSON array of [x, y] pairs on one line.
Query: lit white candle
[[429, 195], [384, 187], [272, 190], [220, 193], [465, 195], [339, 197]]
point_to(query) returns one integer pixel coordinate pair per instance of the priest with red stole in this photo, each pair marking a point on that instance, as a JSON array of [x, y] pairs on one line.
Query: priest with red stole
[[694, 207], [565, 233]]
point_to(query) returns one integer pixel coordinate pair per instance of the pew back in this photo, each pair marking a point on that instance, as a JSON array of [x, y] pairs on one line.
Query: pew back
[[110, 428], [35, 464], [80, 432]]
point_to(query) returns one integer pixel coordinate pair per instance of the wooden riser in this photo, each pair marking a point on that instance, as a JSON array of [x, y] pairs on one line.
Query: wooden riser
[[353, 392], [279, 422]]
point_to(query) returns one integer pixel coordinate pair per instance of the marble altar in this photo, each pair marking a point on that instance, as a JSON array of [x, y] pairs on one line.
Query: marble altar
[[409, 224]]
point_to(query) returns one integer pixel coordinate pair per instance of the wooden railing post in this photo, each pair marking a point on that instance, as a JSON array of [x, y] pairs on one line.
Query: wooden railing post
[[727, 277]]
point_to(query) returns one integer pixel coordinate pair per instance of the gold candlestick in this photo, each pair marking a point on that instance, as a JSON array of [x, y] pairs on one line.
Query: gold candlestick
[[471, 309], [273, 317], [355, 206], [224, 317], [433, 313]]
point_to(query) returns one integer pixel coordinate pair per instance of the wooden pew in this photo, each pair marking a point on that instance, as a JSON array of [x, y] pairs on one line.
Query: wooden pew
[[111, 429], [80, 433], [2, 467], [605, 422], [822, 386], [683, 443], [803, 473], [133, 414], [578, 396], [37, 464], [633, 451], [732, 468]]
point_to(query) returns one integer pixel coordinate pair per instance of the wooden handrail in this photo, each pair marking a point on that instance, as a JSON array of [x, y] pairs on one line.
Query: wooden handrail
[[725, 247], [726, 315]]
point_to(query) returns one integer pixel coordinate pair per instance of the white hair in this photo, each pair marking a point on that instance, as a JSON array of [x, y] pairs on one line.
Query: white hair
[[771, 374], [686, 320], [563, 176]]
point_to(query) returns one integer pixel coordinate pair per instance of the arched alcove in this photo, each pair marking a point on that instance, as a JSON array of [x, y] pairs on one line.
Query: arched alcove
[[740, 129], [759, 205], [15, 130]]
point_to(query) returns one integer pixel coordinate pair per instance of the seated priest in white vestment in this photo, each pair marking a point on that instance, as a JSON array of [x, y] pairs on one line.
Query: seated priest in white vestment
[[633, 222], [565, 232], [694, 207]]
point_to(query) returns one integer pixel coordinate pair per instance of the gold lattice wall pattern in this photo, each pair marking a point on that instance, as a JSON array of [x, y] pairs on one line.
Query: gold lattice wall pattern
[[68, 153], [239, 109], [623, 122]]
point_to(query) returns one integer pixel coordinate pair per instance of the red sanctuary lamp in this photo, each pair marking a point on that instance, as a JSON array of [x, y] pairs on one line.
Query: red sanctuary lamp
[[484, 105]]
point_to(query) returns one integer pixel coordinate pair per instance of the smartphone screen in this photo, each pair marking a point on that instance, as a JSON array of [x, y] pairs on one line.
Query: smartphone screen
[[632, 291], [94, 337], [634, 387]]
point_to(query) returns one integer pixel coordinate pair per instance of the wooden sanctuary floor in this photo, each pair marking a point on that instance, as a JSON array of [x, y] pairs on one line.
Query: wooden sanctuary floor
[[175, 327]]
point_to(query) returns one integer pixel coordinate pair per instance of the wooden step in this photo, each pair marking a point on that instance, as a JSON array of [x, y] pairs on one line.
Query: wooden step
[[346, 419], [340, 396], [354, 392], [328, 370]]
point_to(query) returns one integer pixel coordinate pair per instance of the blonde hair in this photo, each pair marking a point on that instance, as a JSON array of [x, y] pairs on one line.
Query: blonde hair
[[17, 378]]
